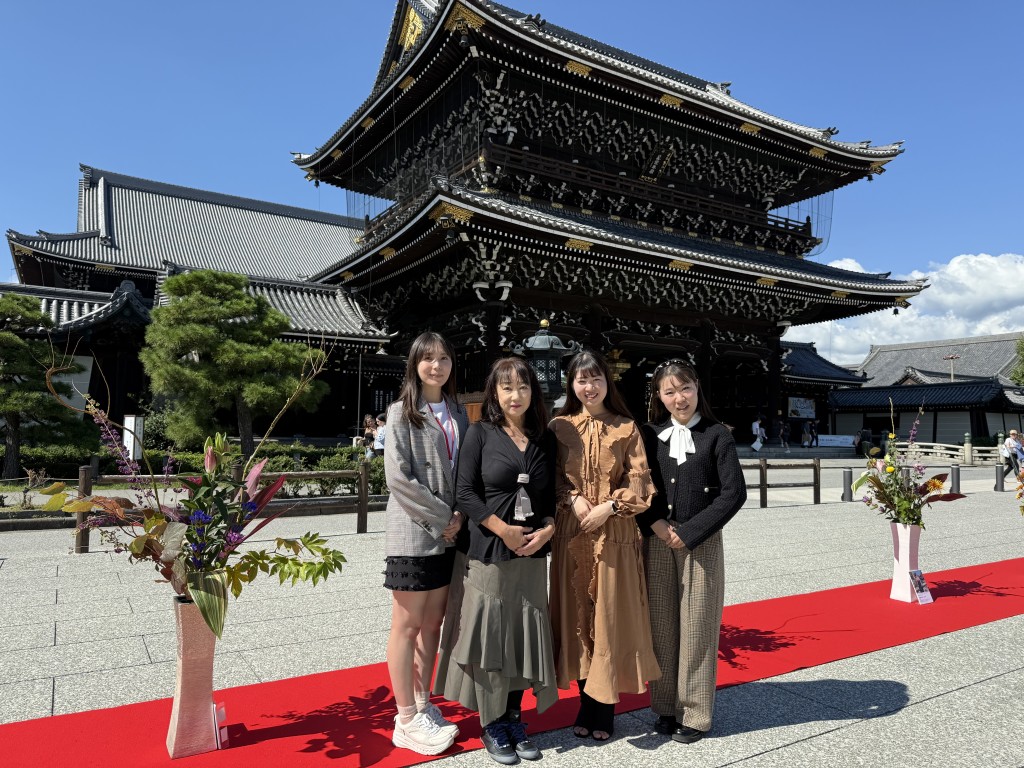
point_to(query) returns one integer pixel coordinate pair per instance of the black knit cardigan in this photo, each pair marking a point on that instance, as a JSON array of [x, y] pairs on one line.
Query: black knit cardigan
[[700, 495]]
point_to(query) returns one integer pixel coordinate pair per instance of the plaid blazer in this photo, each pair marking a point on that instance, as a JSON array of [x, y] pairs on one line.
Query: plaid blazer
[[421, 481]]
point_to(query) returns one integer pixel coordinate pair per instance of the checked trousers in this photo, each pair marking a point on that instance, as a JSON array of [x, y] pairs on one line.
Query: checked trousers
[[686, 591]]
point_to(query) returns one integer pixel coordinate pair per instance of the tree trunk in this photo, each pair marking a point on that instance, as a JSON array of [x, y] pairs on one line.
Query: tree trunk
[[245, 427], [12, 447]]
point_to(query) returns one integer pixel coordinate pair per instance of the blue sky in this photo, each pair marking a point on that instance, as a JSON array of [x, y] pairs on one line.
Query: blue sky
[[216, 95]]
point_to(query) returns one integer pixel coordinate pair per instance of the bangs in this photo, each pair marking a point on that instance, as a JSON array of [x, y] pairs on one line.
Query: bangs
[[511, 371]]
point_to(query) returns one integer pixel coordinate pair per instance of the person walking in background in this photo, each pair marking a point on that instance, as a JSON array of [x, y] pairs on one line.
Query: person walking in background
[[506, 487], [784, 434], [1009, 453], [378, 435], [757, 428], [700, 487], [812, 432], [425, 428], [599, 608]]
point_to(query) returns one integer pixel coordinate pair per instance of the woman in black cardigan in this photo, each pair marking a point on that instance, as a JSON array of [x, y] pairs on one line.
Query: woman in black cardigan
[[700, 487]]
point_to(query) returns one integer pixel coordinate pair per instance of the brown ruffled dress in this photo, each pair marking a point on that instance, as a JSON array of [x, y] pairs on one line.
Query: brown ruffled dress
[[598, 604]]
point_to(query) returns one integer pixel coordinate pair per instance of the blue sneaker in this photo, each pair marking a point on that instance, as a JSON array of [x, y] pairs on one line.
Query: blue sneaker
[[496, 741], [525, 748]]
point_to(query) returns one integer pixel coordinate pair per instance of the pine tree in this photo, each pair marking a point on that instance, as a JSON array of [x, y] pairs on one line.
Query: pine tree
[[215, 346], [26, 405]]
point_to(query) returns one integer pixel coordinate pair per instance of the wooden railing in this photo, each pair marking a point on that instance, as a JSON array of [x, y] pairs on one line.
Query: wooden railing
[[763, 465], [86, 480]]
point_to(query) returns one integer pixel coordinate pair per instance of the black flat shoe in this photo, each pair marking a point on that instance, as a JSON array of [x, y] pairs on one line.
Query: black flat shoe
[[666, 724], [684, 734]]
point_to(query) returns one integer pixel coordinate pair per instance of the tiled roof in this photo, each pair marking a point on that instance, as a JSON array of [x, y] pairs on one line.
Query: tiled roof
[[77, 310], [979, 356], [988, 393], [592, 51], [938, 377], [136, 224], [317, 311], [800, 360], [312, 309], [613, 53]]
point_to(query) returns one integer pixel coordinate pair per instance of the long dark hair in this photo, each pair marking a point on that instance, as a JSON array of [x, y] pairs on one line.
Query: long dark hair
[[409, 396], [685, 373], [589, 361], [509, 370]]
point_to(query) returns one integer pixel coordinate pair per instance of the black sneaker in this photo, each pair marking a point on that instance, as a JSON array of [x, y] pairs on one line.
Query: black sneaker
[[496, 742], [516, 730]]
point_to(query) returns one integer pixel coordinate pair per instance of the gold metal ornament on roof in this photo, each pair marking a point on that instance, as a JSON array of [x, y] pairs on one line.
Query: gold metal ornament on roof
[[617, 365]]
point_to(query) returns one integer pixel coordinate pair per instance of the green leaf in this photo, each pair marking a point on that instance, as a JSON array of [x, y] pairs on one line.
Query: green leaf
[[209, 591], [138, 544], [52, 490], [55, 503], [76, 506]]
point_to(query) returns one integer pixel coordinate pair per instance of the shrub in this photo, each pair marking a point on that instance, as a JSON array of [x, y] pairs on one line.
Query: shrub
[[330, 486]]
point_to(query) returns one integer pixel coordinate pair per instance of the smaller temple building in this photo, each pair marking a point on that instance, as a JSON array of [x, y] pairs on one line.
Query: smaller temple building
[[963, 385]]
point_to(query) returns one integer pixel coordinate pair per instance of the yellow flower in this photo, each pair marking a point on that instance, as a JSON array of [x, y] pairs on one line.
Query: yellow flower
[[890, 468], [892, 436]]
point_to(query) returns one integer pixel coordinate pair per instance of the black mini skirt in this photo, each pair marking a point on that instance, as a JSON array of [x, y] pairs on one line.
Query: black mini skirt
[[419, 574]]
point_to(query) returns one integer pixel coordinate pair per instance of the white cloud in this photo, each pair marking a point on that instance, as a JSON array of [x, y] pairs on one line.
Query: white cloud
[[971, 295], [851, 265]]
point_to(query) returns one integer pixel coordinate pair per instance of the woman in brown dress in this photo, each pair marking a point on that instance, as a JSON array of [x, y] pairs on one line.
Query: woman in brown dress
[[599, 610]]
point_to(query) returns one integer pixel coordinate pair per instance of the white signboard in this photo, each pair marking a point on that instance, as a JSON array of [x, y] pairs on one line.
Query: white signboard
[[133, 425], [834, 440], [800, 408]]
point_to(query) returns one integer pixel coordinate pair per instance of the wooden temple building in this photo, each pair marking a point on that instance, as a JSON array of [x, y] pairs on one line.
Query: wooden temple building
[[99, 283], [521, 172], [503, 171]]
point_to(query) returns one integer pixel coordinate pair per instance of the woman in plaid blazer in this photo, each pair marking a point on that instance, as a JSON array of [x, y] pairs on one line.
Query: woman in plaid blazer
[[424, 429], [700, 487]]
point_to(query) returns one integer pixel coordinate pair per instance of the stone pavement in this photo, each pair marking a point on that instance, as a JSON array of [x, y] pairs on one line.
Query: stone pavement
[[88, 631]]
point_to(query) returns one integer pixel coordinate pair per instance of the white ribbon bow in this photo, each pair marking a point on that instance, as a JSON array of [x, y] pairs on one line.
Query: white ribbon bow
[[679, 439]]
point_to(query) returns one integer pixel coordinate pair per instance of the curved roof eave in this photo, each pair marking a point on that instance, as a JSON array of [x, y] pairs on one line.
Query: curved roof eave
[[554, 225], [712, 95], [737, 265]]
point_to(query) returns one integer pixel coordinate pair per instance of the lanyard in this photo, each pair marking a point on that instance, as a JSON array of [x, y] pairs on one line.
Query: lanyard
[[449, 446]]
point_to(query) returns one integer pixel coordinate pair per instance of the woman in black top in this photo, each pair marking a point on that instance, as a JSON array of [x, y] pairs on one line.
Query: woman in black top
[[502, 641], [700, 487]]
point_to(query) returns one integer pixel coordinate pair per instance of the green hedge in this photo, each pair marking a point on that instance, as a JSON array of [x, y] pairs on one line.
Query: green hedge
[[63, 462]]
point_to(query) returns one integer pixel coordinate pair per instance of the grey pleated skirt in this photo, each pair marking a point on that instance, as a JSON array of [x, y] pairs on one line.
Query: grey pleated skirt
[[500, 638]]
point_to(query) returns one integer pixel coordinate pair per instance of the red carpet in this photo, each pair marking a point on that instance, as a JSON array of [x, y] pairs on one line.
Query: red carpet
[[346, 716]]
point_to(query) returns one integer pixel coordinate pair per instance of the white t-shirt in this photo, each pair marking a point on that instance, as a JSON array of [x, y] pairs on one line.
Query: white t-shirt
[[448, 427]]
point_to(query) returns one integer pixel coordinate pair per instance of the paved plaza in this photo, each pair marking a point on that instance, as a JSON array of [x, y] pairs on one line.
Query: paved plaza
[[81, 632]]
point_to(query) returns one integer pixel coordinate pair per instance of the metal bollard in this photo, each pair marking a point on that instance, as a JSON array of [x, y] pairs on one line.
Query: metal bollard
[[999, 478], [954, 478], [847, 482], [84, 489]]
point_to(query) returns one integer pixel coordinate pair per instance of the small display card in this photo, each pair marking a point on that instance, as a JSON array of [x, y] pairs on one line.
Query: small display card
[[924, 596]]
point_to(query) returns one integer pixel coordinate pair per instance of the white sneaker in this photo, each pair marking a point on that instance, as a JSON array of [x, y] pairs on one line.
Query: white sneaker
[[421, 734], [447, 726]]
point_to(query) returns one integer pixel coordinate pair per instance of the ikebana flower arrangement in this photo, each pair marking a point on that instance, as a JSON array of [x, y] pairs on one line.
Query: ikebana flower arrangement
[[194, 541], [896, 486]]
